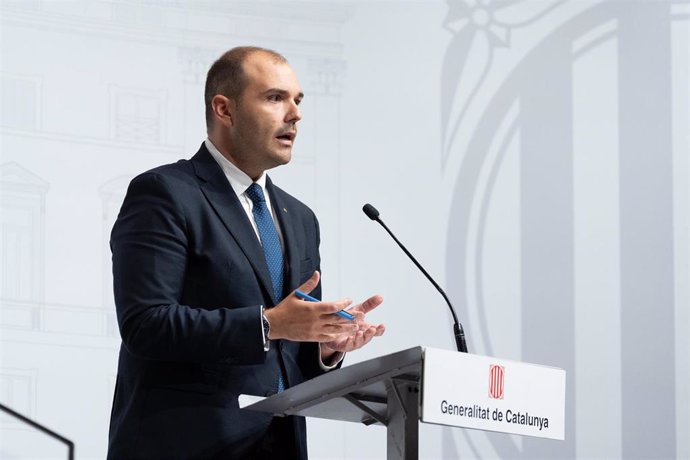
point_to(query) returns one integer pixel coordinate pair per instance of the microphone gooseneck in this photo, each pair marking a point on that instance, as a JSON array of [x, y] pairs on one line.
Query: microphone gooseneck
[[459, 333]]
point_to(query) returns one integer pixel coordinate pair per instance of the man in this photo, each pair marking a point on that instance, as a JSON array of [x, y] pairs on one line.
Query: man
[[207, 254]]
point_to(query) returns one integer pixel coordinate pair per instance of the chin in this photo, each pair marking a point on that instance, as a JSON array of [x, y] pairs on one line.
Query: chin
[[279, 160], [283, 158]]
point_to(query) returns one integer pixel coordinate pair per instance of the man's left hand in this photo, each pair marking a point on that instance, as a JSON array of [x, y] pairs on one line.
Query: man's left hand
[[365, 331]]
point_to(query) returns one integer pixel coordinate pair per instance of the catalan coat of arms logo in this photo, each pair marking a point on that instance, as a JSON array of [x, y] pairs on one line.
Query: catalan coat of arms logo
[[496, 378]]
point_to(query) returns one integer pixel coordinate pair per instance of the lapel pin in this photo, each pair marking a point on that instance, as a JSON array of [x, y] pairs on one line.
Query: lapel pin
[[285, 210]]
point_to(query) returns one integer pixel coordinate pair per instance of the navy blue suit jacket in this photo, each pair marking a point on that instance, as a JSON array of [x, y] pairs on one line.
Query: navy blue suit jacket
[[189, 279]]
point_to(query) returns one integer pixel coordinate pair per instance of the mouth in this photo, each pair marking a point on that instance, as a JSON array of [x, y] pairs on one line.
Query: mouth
[[287, 138]]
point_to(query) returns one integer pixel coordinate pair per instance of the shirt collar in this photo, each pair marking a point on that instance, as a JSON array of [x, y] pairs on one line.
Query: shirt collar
[[238, 179]]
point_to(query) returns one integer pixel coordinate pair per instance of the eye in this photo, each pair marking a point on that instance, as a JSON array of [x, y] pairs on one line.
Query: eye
[[275, 97]]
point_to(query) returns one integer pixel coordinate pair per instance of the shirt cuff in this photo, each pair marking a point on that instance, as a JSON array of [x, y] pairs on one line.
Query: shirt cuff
[[335, 360]]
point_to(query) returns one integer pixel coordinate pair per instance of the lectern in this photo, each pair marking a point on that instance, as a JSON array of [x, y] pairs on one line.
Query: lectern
[[432, 386]]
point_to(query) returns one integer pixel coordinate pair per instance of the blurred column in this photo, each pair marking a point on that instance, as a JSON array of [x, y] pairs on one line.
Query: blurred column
[[646, 207], [547, 226]]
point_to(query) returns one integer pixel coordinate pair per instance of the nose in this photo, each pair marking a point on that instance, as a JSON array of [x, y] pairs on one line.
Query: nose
[[294, 114]]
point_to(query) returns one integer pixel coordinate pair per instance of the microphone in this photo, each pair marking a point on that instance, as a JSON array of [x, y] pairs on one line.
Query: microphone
[[373, 214]]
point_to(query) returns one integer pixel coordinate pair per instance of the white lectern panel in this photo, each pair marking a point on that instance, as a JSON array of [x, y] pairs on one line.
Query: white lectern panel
[[460, 389]]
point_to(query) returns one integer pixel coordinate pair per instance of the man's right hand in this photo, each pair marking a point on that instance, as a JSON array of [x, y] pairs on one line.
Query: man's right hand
[[302, 321]]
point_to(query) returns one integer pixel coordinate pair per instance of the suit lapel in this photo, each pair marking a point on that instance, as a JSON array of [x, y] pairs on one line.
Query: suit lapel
[[221, 196], [287, 225]]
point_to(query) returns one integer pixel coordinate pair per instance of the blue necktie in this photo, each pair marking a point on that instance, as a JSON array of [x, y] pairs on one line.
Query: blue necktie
[[268, 235], [270, 242]]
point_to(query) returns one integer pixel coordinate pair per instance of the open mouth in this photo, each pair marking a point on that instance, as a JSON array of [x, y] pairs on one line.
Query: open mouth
[[288, 137]]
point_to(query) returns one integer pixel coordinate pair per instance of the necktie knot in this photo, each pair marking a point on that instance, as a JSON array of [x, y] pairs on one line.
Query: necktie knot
[[255, 194]]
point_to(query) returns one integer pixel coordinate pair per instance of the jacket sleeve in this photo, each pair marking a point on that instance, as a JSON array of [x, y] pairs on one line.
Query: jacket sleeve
[[149, 247]]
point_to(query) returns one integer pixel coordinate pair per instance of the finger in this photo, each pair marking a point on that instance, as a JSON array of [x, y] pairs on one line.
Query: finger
[[371, 303], [362, 340], [342, 328], [311, 283], [363, 325], [369, 334], [376, 329], [359, 316], [333, 307], [379, 328], [336, 339]]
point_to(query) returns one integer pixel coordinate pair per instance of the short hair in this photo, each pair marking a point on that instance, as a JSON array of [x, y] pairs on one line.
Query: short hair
[[226, 76]]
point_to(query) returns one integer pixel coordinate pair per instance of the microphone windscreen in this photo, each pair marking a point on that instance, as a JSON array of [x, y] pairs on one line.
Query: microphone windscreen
[[370, 211]]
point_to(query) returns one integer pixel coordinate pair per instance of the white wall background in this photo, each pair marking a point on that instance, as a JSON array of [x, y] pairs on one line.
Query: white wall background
[[533, 154]]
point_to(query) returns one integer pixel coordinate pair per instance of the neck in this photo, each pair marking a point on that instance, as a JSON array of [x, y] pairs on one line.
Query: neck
[[226, 152]]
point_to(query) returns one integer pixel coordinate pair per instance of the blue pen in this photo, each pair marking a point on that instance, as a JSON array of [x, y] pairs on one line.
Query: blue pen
[[307, 297]]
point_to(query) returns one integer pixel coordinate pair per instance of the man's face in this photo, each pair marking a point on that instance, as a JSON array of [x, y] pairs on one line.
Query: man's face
[[264, 119]]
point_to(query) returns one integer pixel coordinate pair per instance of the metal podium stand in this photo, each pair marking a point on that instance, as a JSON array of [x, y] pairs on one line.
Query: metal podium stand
[[383, 390]]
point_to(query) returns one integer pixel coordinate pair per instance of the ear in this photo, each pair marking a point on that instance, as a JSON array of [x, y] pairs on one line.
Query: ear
[[223, 109]]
